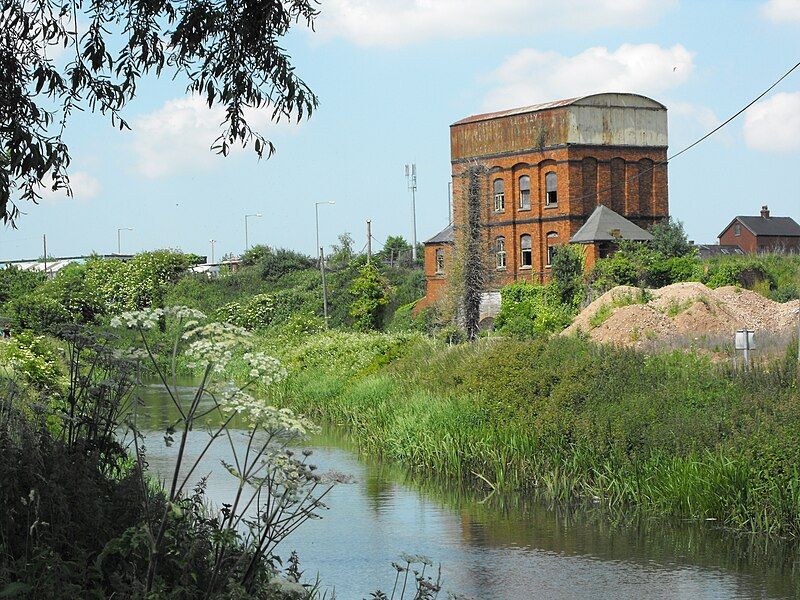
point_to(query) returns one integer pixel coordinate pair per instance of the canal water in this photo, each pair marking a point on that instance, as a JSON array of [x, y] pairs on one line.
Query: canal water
[[490, 547]]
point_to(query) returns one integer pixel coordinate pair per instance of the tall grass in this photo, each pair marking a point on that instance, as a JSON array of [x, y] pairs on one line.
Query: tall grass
[[672, 433]]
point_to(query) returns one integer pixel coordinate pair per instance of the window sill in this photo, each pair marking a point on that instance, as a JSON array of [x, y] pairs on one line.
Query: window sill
[[525, 267], [524, 209], [546, 206], [500, 269], [499, 212]]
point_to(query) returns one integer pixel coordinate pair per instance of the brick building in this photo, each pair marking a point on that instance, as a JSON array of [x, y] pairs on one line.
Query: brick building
[[547, 168], [763, 233]]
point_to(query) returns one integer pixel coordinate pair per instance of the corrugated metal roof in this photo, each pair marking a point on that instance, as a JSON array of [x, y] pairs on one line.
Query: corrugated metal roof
[[779, 226], [517, 111], [546, 106], [604, 225], [445, 236]]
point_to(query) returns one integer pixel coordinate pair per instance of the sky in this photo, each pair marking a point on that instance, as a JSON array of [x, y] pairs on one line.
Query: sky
[[391, 76]]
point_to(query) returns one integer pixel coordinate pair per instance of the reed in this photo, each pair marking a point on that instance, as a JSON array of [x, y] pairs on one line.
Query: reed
[[672, 433]]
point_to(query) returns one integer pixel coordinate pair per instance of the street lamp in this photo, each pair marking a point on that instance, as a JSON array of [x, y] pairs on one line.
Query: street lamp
[[246, 242], [119, 237], [321, 259]]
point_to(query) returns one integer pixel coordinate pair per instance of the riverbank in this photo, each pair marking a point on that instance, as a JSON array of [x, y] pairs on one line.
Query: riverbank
[[672, 433]]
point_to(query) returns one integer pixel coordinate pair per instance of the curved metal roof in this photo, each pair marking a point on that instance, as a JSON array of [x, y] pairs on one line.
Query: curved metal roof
[[601, 99]]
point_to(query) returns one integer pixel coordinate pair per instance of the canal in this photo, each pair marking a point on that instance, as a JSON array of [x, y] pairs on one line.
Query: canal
[[490, 547]]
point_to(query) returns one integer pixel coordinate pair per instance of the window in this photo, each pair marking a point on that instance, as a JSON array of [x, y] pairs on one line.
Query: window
[[499, 196], [552, 240], [551, 187], [524, 193], [527, 251], [440, 260], [500, 252], [737, 230]]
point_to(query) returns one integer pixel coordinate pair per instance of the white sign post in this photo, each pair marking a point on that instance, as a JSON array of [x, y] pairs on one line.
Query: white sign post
[[745, 340]]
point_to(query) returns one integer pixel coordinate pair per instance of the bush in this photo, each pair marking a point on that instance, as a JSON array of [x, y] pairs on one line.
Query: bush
[[38, 312], [370, 294], [15, 282], [567, 270], [529, 310]]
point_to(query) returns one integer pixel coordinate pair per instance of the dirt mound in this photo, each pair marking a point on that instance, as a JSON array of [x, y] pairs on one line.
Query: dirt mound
[[630, 316]]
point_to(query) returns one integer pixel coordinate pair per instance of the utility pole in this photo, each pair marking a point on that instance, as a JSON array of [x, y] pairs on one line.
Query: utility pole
[[369, 241], [411, 178], [44, 244], [212, 251], [324, 286]]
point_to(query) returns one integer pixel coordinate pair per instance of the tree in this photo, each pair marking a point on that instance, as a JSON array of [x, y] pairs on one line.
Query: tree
[[227, 52], [669, 238], [370, 294], [567, 270], [395, 246]]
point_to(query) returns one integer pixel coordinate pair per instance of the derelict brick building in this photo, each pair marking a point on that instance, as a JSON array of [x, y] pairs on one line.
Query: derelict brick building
[[548, 167]]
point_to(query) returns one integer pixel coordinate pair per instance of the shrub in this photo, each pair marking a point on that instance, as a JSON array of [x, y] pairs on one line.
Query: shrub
[[370, 294], [529, 310], [15, 282], [567, 270], [38, 312]]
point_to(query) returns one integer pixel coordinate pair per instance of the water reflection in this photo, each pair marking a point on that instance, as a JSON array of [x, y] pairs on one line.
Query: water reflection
[[500, 547]]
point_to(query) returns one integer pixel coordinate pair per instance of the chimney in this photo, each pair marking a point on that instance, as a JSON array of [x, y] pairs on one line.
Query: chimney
[[764, 212]]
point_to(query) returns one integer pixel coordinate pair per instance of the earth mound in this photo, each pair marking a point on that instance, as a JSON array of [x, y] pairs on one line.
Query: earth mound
[[632, 317]]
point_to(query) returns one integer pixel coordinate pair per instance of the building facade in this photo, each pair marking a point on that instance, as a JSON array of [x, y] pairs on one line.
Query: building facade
[[546, 169], [762, 233]]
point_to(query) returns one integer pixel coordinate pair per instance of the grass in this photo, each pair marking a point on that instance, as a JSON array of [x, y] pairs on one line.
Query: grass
[[671, 433]]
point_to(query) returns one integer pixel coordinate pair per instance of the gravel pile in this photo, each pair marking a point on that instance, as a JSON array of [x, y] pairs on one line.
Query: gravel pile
[[625, 315]]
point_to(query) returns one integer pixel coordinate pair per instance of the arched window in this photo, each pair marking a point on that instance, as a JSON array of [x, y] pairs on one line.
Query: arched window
[[500, 252], [737, 230], [499, 196], [552, 241], [526, 258], [551, 188], [440, 260], [524, 192]]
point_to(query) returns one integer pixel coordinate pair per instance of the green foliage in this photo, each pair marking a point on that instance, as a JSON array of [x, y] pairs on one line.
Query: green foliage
[[231, 57], [15, 282], [564, 418], [528, 310], [641, 265], [567, 271], [277, 263], [370, 294], [37, 311], [669, 239], [395, 246], [32, 360]]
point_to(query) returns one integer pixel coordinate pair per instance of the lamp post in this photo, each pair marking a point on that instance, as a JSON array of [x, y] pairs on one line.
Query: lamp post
[[321, 260], [119, 237], [246, 240], [212, 251]]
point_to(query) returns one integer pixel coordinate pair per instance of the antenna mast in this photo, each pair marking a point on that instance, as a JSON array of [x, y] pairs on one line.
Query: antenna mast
[[411, 178]]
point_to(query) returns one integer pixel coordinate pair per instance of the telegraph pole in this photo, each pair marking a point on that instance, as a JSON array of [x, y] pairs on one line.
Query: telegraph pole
[[44, 244], [450, 201], [369, 241], [411, 178]]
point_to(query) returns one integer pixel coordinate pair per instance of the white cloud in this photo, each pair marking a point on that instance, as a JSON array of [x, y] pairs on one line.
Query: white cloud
[[178, 136], [532, 76], [780, 11], [396, 23], [773, 125], [83, 185]]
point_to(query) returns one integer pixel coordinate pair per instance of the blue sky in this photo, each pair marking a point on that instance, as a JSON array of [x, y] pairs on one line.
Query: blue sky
[[391, 76]]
